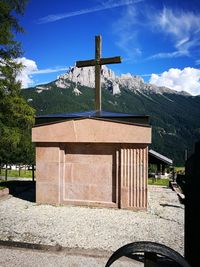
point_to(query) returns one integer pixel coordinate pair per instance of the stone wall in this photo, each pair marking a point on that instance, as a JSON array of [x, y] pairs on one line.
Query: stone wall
[[109, 175]]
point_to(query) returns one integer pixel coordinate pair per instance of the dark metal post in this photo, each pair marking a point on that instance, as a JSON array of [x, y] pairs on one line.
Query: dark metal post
[[186, 155], [192, 211], [98, 73]]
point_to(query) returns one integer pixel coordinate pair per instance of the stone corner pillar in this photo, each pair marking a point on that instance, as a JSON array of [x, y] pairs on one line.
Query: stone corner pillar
[[133, 178]]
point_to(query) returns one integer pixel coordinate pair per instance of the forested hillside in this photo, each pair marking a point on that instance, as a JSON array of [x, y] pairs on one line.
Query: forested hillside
[[175, 118]]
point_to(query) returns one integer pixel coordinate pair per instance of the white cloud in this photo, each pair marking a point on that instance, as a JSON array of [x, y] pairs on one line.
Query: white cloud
[[30, 69], [182, 27], [187, 79], [197, 62], [25, 75], [126, 32], [174, 54], [104, 5], [50, 70], [179, 23]]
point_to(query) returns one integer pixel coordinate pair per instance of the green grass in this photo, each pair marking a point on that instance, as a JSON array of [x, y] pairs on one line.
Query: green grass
[[2, 187], [179, 169], [15, 173], [158, 181]]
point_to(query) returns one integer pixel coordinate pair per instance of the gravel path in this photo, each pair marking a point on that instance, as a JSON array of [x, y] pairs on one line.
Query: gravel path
[[95, 228], [16, 257]]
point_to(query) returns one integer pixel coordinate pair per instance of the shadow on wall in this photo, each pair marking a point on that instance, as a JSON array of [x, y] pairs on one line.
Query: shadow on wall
[[21, 189]]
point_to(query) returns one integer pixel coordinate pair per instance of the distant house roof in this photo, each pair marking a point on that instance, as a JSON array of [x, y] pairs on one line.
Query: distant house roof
[[156, 157]]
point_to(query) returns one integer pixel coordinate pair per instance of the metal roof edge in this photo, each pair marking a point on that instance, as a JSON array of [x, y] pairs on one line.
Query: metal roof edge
[[88, 114], [160, 156]]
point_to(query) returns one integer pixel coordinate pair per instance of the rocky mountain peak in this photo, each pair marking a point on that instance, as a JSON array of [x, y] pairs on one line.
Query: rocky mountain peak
[[86, 77]]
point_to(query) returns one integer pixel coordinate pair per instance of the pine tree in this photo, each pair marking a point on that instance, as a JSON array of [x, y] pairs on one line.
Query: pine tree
[[16, 116]]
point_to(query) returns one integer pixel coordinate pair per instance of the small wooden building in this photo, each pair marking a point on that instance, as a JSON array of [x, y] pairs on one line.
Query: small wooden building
[[92, 158], [160, 161]]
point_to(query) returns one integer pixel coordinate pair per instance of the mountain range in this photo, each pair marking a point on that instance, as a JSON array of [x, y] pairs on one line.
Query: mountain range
[[174, 116]]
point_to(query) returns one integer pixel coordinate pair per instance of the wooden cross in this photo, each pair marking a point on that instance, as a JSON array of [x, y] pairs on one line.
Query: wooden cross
[[97, 62]]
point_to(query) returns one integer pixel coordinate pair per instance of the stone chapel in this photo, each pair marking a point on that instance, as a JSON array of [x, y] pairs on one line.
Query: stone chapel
[[93, 158]]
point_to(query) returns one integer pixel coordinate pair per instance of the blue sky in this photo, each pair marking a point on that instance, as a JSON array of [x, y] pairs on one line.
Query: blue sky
[[156, 39]]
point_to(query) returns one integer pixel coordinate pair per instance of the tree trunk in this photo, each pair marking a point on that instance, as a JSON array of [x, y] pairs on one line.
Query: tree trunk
[[19, 170], [6, 172]]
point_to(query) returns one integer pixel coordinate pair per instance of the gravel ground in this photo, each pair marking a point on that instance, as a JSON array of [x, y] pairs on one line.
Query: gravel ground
[[32, 258], [95, 228]]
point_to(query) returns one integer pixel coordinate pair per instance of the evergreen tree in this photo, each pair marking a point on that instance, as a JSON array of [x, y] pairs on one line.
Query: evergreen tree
[[16, 116]]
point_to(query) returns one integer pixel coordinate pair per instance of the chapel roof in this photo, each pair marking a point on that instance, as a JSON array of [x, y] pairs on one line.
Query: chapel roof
[[93, 113], [102, 115]]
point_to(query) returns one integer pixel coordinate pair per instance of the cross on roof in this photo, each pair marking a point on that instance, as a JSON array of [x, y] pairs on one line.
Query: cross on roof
[[97, 62]]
